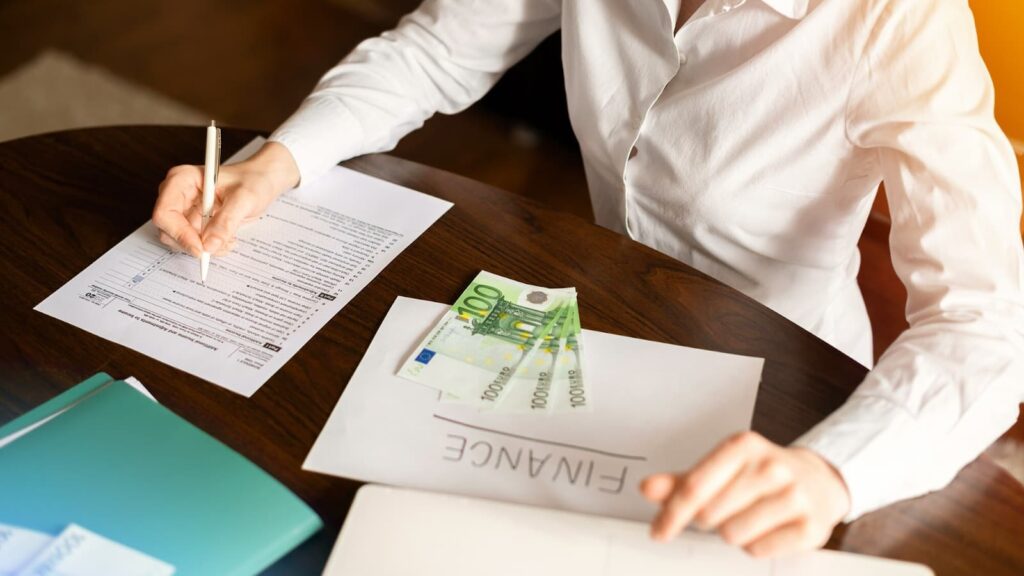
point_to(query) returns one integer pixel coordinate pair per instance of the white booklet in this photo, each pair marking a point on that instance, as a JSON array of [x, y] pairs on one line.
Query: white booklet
[[74, 552], [657, 408], [18, 546], [290, 272], [395, 532]]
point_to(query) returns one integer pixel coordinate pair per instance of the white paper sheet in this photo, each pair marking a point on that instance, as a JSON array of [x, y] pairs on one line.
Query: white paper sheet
[[395, 532], [134, 383], [79, 552], [657, 407], [290, 272], [18, 546]]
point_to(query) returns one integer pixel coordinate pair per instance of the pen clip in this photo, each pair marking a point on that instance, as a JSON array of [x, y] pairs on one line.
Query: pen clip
[[216, 169]]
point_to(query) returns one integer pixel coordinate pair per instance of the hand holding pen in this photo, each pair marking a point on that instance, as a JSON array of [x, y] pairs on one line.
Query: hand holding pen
[[241, 192]]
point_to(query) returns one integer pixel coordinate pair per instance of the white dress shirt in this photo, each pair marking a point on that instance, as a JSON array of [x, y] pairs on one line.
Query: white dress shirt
[[750, 144]]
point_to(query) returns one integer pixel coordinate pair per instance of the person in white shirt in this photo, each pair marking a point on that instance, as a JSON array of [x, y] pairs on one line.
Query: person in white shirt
[[746, 138]]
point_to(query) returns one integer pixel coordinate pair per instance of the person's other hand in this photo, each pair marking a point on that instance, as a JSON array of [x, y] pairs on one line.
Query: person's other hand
[[244, 191], [765, 498]]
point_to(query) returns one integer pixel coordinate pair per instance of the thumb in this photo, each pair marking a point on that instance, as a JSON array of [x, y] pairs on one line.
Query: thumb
[[225, 221]]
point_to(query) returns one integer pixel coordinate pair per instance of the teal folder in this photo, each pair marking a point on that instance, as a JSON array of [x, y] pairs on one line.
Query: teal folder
[[131, 470]]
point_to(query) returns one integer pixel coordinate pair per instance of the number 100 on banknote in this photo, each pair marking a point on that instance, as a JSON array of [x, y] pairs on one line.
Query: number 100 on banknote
[[494, 326]]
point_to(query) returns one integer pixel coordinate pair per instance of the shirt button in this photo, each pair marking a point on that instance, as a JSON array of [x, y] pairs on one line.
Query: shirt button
[[682, 58]]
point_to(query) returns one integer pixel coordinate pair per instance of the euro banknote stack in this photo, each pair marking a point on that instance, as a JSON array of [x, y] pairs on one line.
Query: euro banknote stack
[[505, 346]]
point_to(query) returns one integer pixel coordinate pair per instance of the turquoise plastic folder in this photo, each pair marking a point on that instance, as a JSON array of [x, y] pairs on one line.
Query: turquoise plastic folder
[[131, 470]]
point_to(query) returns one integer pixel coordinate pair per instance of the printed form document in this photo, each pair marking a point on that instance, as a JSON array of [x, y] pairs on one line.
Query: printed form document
[[289, 273]]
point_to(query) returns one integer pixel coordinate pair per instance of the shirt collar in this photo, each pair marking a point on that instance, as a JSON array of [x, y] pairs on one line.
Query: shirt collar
[[795, 9]]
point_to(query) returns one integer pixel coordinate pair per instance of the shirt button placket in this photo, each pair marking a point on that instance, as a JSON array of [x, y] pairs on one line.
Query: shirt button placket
[[625, 194]]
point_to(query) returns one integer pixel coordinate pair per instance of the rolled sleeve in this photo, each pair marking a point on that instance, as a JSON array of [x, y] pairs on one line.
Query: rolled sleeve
[[321, 133], [442, 57]]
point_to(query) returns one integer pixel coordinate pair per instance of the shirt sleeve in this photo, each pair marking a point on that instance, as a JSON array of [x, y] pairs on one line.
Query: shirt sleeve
[[440, 58], [950, 385]]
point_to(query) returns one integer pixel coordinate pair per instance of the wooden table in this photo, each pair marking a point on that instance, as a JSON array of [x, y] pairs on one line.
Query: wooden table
[[66, 198]]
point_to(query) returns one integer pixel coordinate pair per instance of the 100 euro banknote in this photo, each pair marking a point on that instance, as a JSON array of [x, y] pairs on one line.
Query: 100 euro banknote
[[551, 381], [475, 349], [570, 392]]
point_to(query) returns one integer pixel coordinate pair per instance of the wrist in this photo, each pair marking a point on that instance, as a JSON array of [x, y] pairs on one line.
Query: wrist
[[834, 487], [275, 163]]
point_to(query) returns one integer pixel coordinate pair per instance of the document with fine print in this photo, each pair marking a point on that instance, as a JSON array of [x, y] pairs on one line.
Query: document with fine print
[[288, 274]]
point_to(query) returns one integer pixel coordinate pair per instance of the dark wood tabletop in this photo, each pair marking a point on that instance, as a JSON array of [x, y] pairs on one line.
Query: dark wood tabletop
[[67, 197]]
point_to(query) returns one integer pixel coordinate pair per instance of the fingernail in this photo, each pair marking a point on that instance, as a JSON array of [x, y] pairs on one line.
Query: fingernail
[[212, 245]]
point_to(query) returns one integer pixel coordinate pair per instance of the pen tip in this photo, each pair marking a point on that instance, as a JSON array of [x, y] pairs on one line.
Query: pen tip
[[213, 123], [204, 266]]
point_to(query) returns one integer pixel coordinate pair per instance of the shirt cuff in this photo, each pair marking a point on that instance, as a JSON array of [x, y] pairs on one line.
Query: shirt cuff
[[321, 133], [875, 445]]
